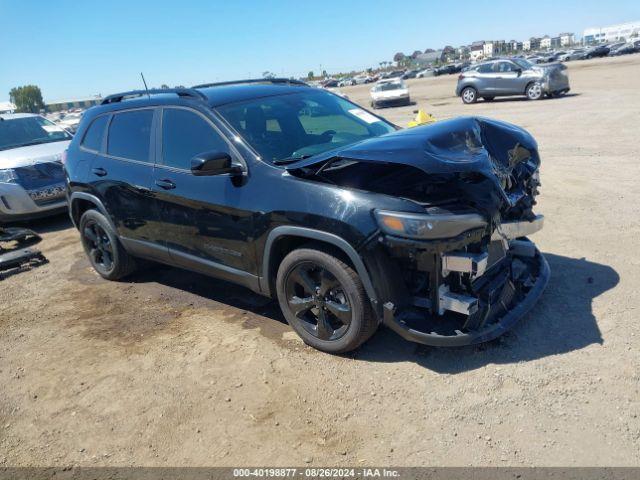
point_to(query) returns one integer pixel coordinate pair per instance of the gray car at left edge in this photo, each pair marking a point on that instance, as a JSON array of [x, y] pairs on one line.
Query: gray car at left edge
[[32, 181]]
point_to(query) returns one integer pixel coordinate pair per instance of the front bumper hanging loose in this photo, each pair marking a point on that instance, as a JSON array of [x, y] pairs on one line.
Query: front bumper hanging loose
[[489, 332]]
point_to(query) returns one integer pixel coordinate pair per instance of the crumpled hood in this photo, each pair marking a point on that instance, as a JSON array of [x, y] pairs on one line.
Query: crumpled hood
[[464, 144], [502, 153]]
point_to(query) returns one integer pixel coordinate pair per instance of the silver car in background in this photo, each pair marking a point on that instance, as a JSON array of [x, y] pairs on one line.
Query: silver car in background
[[32, 180], [512, 76]]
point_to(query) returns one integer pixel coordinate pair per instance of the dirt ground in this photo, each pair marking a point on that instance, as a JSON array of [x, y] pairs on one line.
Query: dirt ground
[[173, 368]]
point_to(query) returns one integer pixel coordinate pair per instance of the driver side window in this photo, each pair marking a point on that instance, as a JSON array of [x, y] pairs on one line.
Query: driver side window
[[186, 134], [502, 67]]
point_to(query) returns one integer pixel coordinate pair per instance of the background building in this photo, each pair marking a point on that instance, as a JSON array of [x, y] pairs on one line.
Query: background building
[[71, 104], [611, 33], [567, 39], [7, 107]]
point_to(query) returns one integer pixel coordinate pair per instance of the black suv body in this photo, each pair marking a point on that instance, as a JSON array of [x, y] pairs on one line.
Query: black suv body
[[299, 194]]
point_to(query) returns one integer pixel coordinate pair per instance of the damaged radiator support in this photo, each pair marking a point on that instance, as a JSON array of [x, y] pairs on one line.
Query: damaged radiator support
[[441, 265]]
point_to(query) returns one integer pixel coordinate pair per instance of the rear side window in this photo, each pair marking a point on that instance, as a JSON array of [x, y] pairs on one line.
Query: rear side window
[[485, 68], [186, 134], [95, 133], [130, 135]]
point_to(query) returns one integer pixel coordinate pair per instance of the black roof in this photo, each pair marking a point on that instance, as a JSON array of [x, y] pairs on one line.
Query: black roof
[[239, 92], [213, 94]]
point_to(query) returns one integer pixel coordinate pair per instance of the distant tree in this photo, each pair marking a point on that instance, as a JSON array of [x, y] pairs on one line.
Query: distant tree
[[324, 73], [429, 50], [310, 75], [398, 57], [179, 86], [415, 54], [164, 86], [268, 74], [27, 99]]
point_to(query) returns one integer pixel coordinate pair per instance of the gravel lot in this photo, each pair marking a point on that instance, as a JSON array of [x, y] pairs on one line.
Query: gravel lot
[[173, 368]]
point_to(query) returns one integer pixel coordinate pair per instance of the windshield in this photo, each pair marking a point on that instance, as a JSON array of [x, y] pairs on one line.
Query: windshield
[[385, 86], [286, 128], [20, 132], [522, 63]]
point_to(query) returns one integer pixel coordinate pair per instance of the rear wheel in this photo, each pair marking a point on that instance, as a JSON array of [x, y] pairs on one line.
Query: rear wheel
[[101, 244], [534, 91], [469, 95], [324, 301]]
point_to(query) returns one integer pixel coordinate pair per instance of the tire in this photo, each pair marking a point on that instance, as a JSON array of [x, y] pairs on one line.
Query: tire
[[534, 91], [104, 250], [488, 99], [469, 95], [324, 301]]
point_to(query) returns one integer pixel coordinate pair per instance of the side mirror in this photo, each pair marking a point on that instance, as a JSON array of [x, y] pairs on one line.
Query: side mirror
[[519, 71], [213, 163]]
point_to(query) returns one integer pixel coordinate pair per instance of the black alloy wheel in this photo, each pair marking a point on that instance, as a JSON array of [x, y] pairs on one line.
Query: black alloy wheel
[[319, 301], [99, 245]]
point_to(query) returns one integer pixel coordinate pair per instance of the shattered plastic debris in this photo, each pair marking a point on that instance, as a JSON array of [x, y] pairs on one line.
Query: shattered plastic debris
[[18, 255]]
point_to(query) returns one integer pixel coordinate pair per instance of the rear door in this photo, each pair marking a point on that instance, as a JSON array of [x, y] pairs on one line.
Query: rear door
[[122, 175], [203, 228], [486, 79]]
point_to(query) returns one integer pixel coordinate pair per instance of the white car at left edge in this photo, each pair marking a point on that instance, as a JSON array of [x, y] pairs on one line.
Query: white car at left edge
[[32, 179]]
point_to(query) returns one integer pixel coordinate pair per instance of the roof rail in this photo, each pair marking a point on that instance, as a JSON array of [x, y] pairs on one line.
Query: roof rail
[[181, 92], [284, 81]]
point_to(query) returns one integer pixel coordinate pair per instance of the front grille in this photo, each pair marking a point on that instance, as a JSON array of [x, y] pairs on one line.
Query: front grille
[[40, 176]]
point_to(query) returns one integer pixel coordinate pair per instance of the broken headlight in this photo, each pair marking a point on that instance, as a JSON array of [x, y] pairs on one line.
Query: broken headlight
[[428, 227], [7, 175]]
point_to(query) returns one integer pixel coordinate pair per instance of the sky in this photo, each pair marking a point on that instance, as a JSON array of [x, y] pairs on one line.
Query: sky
[[78, 48]]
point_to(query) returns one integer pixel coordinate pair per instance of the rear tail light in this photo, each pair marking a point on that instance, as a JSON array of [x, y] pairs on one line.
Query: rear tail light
[[461, 76]]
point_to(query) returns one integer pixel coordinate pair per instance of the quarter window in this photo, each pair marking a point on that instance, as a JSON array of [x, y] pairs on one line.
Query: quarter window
[[186, 134], [130, 135], [95, 133]]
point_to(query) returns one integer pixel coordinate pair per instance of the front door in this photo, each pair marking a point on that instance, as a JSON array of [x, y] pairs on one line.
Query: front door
[[203, 229], [508, 78]]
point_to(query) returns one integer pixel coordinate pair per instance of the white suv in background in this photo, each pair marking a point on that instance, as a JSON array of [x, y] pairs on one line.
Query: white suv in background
[[390, 92], [32, 180]]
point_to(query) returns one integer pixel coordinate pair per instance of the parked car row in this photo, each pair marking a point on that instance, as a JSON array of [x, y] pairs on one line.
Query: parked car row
[[585, 53]]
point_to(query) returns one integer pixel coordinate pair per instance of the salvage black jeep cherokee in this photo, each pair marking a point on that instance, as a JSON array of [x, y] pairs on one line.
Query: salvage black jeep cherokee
[[299, 194]]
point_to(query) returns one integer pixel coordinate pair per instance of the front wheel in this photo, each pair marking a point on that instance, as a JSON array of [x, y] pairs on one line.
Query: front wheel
[[324, 301], [469, 95], [534, 91]]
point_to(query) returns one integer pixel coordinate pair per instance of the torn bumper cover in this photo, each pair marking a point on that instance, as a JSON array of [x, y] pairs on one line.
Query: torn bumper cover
[[479, 296], [19, 256]]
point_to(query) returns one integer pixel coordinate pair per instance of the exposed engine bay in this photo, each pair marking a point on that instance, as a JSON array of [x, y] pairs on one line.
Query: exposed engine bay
[[469, 272]]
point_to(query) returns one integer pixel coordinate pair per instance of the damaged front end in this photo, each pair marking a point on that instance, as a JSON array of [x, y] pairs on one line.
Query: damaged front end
[[458, 269]]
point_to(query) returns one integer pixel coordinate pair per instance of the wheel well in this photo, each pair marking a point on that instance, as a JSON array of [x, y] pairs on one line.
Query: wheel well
[[528, 85], [285, 244], [78, 207]]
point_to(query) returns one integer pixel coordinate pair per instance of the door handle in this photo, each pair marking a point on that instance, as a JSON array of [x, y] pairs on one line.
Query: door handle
[[166, 184], [99, 171]]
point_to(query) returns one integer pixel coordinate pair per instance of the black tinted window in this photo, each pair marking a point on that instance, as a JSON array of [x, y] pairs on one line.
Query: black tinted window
[[184, 135], [95, 133], [130, 135], [485, 68]]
